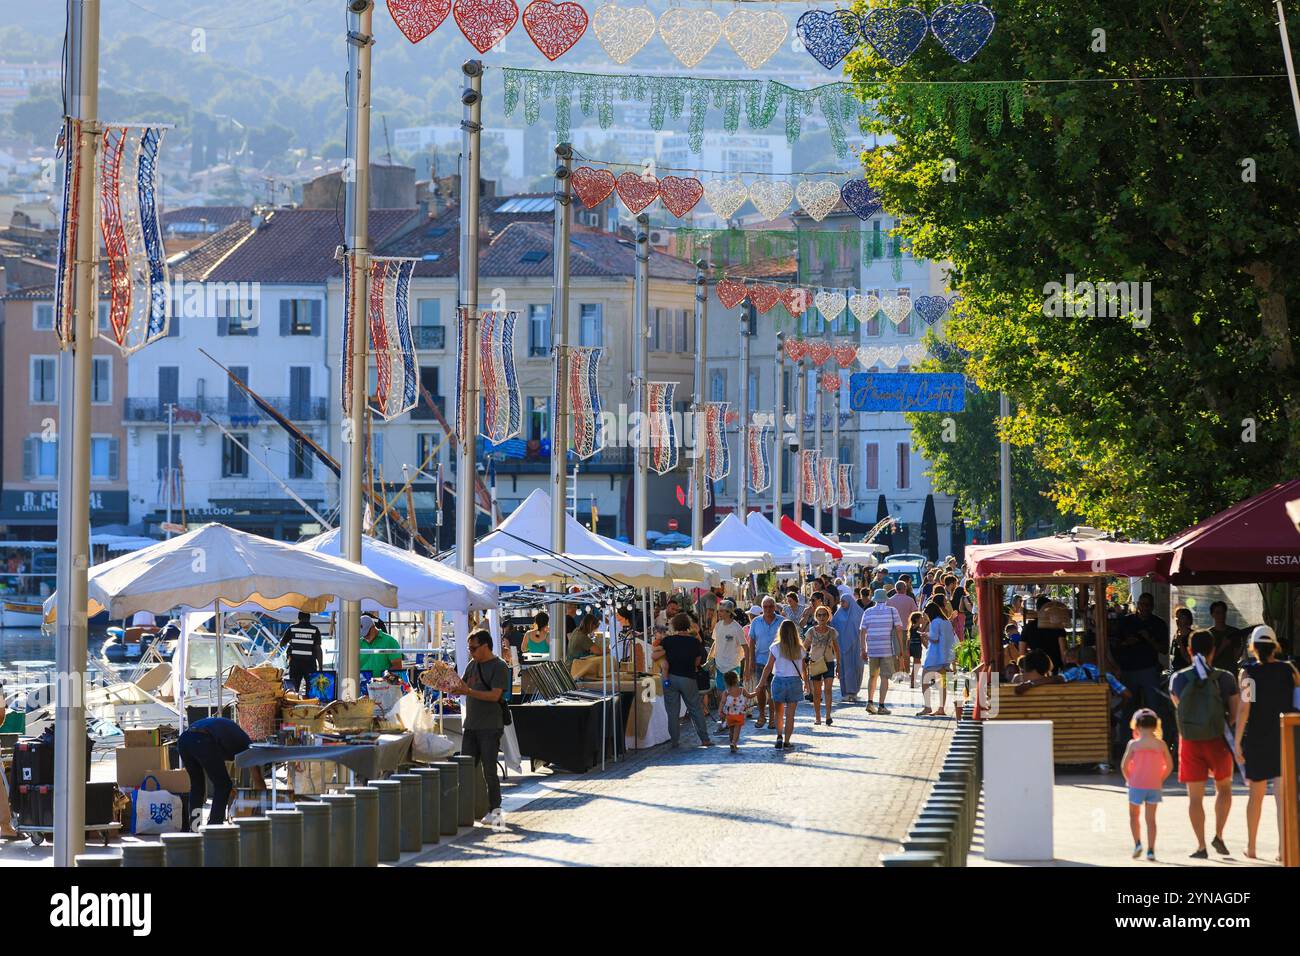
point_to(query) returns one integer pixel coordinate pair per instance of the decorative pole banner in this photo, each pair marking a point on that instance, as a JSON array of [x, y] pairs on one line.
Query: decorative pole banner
[[584, 401], [715, 440], [846, 486], [70, 143], [829, 489], [139, 305], [502, 405], [389, 313], [808, 476], [661, 435], [760, 471]]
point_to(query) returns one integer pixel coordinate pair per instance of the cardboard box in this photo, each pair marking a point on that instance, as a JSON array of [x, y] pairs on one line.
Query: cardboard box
[[136, 763], [173, 781], [142, 738]]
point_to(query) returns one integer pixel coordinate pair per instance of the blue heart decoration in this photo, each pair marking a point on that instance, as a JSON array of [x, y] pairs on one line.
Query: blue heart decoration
[[962, 28], [945, 351], [828, 35], [895, 33], [953, 301], [931, 308], [861, 198]]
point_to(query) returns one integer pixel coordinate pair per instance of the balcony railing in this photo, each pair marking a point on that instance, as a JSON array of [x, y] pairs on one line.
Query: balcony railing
[[518, 456], [430, 336], [192, 410]]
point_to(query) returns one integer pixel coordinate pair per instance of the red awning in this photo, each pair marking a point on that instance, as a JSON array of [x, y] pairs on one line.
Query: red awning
[[1254, 540], [792, 530], [1062, 554]]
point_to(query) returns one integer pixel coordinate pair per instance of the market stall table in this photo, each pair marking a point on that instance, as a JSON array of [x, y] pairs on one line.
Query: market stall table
[[366, 761], [567, 731]]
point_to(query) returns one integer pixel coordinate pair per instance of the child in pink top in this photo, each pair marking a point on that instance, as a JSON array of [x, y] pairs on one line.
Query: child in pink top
[[1145, 765]]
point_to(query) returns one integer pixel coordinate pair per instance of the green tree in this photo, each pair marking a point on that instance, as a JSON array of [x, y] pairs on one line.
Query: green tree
[[1125, 173]]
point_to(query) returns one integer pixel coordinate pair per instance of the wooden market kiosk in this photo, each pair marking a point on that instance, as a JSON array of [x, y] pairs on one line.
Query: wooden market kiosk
[[1079, 711]]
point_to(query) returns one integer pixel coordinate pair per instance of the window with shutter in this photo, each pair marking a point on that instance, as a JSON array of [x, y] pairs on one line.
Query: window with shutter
[[904, 466], [871, 465]]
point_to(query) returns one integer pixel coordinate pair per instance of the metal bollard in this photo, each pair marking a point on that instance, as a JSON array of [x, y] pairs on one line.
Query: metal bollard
[[935, 829], [286, 837], [953, 805], [182, 849], [315, 832], [96, 859], [945, 819], [143, 854], [430, 803], [254, 841], [390, 820], [412, 835], [930, 840], [220, 844], [448, 796], [367, 825], [480, 792], [465, 796], [343, 824], [912, 858]]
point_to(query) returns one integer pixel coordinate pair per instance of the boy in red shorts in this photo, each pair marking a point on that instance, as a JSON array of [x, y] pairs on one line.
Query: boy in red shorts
[[1206, 702]]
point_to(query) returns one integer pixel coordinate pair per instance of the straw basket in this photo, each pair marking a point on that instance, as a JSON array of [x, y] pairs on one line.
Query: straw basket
[[350, 715], [258, 715], [243, 681], [307, 717], [1054, 615]]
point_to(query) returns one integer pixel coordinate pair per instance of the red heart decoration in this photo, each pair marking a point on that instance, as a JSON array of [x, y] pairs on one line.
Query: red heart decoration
[[819, 352], [830, 382], [764, 296], [418, 18], [485, 23], [731, 418], [680, 194], [845, 354], [593, 186], [795, 300], [637, 191], [731, 293], [795, 349], [554, 27]]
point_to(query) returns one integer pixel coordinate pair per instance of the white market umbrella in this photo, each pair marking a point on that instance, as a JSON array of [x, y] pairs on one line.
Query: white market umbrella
[[422, 583], [785, 549], [859, 555]]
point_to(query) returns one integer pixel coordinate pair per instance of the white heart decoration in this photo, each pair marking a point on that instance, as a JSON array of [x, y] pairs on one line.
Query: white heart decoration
[[770, 196], [622, 31], [725, 196], [755, 36], [890, 355], [868, 355], [789, 420], [817, 197], [897, 307], [914, 353], [830, 304], [864, 307], [689, 34]]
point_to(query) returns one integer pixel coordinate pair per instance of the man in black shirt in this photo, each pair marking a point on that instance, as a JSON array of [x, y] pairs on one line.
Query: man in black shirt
[[1142, 638], [1035, 637], [204, 748], [685, 655], [485, 683], [303, 642]]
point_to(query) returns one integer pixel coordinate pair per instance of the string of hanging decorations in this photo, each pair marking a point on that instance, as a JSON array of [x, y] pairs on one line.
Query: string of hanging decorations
[[828, 36], [717, 449], [397, 379], [808, 476], [678, 195], [743, 247], [584, 400], [661, 432], [760, 467], [502, 405], [846, 486], [139, 304]]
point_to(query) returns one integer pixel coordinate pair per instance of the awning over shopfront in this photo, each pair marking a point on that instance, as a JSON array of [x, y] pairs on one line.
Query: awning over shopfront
[[1066, 554], [1253, 541]]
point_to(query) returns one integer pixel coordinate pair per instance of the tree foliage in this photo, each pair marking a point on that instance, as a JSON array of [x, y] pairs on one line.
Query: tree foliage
[[1125, 173]]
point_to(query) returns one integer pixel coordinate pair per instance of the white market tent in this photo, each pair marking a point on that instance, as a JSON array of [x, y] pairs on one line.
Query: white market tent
[[729, 564], [860, 555], [786, 550], [520, 551], [422, 583]]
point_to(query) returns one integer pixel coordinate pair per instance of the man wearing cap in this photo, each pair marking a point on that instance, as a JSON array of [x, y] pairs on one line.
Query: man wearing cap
[[379, 651], [727, 651]]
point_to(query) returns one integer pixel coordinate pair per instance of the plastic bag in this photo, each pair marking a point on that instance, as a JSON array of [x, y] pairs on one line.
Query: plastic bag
[[427, 745]]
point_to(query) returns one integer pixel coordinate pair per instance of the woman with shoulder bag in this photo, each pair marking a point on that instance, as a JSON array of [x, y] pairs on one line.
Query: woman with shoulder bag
[[684, 655], [819, 644], [786, 668]]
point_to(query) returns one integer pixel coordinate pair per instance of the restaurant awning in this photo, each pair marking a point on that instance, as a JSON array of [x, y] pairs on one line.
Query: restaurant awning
[[1066, 554], [792, 530], [1253, 541]]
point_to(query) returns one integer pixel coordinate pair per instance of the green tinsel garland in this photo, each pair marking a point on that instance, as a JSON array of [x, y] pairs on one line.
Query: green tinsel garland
[[733, 247], [938, 104]]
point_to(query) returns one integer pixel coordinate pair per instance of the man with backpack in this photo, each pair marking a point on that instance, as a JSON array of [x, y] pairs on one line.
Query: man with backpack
[[1205, 699]]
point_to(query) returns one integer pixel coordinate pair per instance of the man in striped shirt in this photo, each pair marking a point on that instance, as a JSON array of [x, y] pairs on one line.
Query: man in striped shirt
[[882, 641], [303, 641]]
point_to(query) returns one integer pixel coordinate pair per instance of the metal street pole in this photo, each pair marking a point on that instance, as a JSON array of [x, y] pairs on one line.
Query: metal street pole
[[799, 392], [467, 451], [747, 323], [356, 175], [560, 413], [1004, 469], [778, 432], [835, 456], [817, 444], [1290, 64], [640, 393], [171, 461], [701, 450], [75, 367]]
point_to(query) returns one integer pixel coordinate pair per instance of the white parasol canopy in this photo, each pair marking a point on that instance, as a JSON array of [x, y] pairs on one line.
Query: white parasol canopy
[[216, 563], [785, 549], [861, 554], [729, 564], [422, 583]]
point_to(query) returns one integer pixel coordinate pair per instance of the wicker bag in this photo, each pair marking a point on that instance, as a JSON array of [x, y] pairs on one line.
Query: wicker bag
[[350, 715], [258, 715], [243, 681]]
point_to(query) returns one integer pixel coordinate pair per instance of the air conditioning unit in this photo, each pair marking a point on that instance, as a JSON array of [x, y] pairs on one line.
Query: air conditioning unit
[[658, 237]]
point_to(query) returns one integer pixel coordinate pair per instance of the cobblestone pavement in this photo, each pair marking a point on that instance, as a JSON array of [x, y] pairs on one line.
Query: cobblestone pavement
[[844, 796]]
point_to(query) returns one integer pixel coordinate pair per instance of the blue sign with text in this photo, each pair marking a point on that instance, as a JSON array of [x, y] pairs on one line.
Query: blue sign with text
[[907, 392]]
